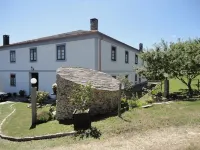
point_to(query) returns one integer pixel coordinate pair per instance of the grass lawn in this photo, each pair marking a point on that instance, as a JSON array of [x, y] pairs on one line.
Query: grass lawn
[[4, 111], [137, 120], [19, 123], [175, 85]]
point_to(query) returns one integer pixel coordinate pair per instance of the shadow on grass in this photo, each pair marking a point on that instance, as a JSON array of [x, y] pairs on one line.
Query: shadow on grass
[[92, 132], [33, 126], [125, 119]]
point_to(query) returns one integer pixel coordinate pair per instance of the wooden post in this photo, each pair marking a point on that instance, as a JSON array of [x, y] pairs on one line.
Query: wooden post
[[33, 106], [119, 102]]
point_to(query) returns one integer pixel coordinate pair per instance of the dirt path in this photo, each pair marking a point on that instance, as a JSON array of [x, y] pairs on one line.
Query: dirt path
[[165, 139]]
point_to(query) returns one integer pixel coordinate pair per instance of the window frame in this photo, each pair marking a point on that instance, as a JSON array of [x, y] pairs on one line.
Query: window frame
[[32, 51], [13, 52], [136, 59], [13, 83], [115, 53], [61, 45], [126, 56]]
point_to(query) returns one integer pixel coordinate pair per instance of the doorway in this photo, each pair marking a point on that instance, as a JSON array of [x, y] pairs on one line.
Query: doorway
[[36, 76]]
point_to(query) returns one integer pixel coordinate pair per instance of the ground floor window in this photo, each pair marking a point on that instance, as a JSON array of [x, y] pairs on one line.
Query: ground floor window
[[12, 80]]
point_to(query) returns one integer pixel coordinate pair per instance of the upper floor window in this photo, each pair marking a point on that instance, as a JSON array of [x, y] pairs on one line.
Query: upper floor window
[[136, 59], [126, 57], [113, 53], [33, 54], [12, 80], [60, 52], [12, 56]]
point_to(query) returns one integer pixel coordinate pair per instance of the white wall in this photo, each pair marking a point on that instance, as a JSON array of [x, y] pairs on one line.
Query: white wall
[[118, 67], [79, 53]]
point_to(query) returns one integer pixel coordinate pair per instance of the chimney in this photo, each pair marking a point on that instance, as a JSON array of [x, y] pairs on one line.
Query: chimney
[[5, 40], [140, 47], [93, 24]]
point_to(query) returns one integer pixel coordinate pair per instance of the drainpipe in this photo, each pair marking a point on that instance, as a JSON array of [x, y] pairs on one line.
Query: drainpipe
[[101, 38]]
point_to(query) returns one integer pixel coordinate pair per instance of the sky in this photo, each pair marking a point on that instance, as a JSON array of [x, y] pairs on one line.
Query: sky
[[130, 21]]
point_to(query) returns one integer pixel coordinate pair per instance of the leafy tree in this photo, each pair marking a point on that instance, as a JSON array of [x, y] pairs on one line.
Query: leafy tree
[[185, 61], [179, 59]]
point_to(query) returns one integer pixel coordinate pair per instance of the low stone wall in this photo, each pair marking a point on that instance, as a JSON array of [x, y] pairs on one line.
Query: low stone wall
[[106, 91]]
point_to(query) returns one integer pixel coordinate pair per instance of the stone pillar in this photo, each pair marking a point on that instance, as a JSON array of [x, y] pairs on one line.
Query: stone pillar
[[166, 88]]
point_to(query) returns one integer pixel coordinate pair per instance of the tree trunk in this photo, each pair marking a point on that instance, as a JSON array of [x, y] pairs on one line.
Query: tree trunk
[[190, 89]]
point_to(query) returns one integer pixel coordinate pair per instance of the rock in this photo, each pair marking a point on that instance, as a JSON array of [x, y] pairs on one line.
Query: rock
[[106, 91]]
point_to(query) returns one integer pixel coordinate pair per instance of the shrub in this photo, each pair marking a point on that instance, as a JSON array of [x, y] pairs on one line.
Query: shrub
[[14, 94], [132, 103], [43, 116], [22, 93], [51, 110], [150, 100], [9, 94], [124, 104], [42, 96]]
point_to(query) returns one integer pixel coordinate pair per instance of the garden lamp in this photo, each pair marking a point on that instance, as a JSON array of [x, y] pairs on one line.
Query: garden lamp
[[33, 102]]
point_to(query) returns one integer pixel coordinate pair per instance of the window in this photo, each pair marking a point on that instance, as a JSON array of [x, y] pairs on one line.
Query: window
[[60, 52], [12, 80], [12, 56], [113, 53], [135, 77], [126, 57], [126, 76], [114, 77], [33, 54], [136, 59]]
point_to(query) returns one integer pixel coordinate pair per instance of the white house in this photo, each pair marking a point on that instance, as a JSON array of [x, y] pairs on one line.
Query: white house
[[40, 58]]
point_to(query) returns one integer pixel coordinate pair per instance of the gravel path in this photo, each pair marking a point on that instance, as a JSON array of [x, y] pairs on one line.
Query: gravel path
[[165, 139]]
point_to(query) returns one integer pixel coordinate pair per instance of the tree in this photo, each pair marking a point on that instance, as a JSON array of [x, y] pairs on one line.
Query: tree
[[156, 62], [179, 59], [185, 61]]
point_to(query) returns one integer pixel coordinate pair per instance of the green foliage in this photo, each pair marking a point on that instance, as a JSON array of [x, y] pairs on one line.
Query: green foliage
[[43, 116], [22, 93], [179, 59], [9, 94], [82, 95], [132, 103], [41, 96], [14, 94], [127, 91]]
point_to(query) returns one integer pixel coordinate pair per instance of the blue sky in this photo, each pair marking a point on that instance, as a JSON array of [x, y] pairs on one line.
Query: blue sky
[[130, 21]]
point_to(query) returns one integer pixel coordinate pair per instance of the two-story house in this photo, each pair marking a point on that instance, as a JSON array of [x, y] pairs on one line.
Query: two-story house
[[40, 58]]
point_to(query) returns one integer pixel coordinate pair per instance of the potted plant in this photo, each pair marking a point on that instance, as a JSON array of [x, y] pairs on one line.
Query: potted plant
[[81, 97]]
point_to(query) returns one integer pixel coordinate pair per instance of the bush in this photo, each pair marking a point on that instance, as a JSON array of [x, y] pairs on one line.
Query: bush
[[150, 100], [132, 103], [14, 94], [9, 94], [42, 96], [22, 93], [43, 116]]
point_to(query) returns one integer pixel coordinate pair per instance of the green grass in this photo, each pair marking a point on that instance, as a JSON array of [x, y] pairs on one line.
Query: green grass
[[19, 124], [137, 120], [175, 85], [4, 111]]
